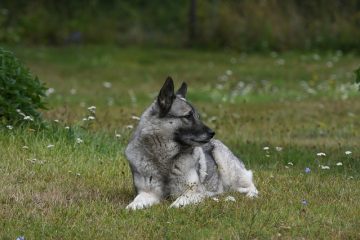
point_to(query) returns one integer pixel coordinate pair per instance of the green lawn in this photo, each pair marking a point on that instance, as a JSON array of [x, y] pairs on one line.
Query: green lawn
[[71, 180]]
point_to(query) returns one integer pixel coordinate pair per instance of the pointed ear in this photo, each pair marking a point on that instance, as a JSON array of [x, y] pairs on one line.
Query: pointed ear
[[182, 90], [166, 97]]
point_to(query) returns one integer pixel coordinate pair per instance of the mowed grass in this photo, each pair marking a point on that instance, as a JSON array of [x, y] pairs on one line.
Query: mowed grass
[[58, 187]]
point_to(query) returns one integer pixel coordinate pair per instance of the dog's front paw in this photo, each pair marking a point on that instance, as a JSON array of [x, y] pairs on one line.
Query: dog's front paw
[[187, 199], [251, 192], [143, 200]]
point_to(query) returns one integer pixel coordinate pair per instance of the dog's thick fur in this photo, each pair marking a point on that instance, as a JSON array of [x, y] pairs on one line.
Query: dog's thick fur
[[172, 154]]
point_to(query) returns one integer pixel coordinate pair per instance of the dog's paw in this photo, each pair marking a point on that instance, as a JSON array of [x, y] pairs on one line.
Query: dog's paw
[[187, 199], [251, 192], [143, 200]]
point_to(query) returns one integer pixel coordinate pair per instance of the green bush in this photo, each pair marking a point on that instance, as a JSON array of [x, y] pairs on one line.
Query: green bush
[[21, 94]]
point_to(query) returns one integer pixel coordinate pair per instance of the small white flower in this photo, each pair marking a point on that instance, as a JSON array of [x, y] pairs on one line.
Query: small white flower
[[79, 140], [230, 198], [279, 149], [348, 152], [215, 199], [73, 91], [49, 91], [84, 119], [9, 127], [92, 109], [117, 135], [339, 164], [67, 127], [290, 163], [266, 148], [324, 167], [267, 155], [135, 118], [25, 147], [129, 126], [20, 112], [28, 118], [229, 72], [91, 118], [50, 146], [56, 120], [33, 160], [107, 84], [321, 154], [78, 174]]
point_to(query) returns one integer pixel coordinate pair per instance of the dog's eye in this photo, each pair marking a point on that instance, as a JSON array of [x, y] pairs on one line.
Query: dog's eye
[[189, 116]]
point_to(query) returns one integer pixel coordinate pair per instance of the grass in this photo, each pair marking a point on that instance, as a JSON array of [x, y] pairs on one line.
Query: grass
[[302, 102]]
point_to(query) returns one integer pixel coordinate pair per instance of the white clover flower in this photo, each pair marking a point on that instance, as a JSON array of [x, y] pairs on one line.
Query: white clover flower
[[28, 118], [50, 146], [266, 148], [230, 198], [279, 149], [339, 164], [73, 91], [321, 154], [135, 117], [49, 91], [9, 127], [324, 167], [79, 140], [348, 152], [92, 109], [107, 84]]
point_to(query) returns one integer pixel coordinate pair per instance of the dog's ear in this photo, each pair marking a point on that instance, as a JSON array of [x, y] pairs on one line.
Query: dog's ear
[[166, 97], [182, 90]]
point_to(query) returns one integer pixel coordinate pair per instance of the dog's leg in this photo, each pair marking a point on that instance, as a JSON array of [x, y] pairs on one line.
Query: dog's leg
[[234, 175], [150, 191], [194, 193], [143, 200]]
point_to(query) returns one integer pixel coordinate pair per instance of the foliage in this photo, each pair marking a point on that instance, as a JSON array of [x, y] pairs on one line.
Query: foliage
[[21, 94], [248, 25], [357, 76]]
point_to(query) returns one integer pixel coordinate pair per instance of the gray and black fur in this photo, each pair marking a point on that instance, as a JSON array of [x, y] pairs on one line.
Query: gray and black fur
[[173, 154]]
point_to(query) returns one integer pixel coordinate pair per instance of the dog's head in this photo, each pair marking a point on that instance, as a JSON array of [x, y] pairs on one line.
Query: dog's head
[[180, 116]]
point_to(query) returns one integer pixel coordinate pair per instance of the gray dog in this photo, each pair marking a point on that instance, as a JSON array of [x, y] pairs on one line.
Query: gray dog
[[172, 154]]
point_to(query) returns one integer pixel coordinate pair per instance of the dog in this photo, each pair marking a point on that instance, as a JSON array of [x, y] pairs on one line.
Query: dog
[[172, 154]]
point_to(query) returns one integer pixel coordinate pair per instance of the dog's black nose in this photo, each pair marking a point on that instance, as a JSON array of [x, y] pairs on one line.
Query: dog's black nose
[[211, 133]]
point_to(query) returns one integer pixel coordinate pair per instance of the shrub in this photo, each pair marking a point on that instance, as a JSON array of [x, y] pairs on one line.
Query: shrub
[[21, 94]]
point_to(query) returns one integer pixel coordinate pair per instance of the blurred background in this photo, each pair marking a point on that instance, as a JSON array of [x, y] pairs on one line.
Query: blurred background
[[246, 25]]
